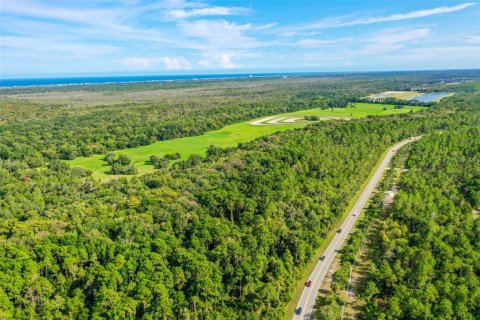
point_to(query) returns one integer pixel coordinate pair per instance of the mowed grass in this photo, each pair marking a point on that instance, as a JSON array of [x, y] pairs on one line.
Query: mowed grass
[[360, 111], [228, 136]]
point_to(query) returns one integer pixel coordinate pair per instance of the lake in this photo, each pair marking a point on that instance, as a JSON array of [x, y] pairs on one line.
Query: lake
[[432, 96]]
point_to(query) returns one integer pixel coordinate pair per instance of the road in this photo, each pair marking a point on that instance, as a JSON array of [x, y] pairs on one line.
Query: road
[[309, 294]]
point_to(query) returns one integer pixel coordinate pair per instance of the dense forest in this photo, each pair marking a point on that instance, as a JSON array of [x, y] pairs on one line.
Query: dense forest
[[44, 126], [335, 301], [37, 125], [427, 264], [221, 237]]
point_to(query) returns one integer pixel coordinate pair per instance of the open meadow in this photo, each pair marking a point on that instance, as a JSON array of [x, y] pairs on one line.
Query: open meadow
[[231, 136]]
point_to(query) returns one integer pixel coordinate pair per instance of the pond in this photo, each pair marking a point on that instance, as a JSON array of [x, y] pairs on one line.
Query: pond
[[431, 96]]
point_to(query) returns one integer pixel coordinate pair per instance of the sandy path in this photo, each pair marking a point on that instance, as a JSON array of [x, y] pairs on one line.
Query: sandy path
[[261, 121], [291, 120], [279, 120], [276, 120]]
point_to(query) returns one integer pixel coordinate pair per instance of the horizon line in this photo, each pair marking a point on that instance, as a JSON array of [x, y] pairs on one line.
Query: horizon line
[[217, 73]]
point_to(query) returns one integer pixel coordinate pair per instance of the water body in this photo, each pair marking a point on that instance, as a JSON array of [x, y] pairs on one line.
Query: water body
[[429, 97], [9, 83]]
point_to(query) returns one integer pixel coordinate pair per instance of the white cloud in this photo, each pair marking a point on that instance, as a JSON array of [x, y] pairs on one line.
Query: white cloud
[[342, 22], [101, 23], [34, 45], [311, 43], [265, 26], [372, 47], [168, 63], [225, 60], [217, 35], [138, 63], [208, 11], [33, 9], [435, 57], [393, 39], [461, 54], [127, 34], [218, 60], [172, 63], [214, 30], [475, 39], [204, 62]]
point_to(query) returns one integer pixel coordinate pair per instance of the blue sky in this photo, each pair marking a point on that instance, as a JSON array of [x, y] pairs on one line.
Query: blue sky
[[80, 37]]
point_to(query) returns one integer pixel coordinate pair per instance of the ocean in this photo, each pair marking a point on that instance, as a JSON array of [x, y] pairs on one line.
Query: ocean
[[64, 81]]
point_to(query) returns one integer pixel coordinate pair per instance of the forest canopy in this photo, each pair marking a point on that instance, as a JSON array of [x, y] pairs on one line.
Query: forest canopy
[[225, 236]]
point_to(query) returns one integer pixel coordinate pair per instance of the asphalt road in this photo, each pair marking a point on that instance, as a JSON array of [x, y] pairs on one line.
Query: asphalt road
[[309, 294]]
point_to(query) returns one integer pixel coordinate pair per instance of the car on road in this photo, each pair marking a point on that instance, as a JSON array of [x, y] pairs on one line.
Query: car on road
[[309, 283], [322, 258], [354, 214], [298, 311], [339, 230]]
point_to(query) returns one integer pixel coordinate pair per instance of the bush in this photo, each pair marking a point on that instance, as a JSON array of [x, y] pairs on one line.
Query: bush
[[123, 169], [172, 156], [110, 158], [123, 160], [155, 160], [163, 164], [121, 164]]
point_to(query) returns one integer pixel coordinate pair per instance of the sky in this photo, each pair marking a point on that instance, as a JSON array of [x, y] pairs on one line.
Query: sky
[[123, 37]]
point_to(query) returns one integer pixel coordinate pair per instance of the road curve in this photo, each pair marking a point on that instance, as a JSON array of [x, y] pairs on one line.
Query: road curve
[[309, 294]]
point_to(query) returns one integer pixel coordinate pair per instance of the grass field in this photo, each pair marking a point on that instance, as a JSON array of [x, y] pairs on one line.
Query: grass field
[[228, 136]]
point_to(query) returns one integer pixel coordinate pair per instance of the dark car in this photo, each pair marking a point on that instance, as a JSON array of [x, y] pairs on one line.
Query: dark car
[[322, 258], [309, 283], [298, 311], [339, 230]]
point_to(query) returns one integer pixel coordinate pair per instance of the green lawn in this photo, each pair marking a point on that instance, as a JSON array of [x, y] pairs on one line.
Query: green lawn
[[228, 136], [360, 111]]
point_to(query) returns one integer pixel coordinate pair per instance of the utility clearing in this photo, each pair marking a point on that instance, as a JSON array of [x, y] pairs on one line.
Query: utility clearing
[[231, 136]]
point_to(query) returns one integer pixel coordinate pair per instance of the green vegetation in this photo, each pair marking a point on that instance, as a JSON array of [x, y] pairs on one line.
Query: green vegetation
[[330, 305], [359, 110], [225, 238], [333, 231], [427, 262], [226, 235], [229, 136], [120, 164]]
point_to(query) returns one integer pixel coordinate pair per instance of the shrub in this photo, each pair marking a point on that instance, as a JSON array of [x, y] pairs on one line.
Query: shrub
[[172, 156]]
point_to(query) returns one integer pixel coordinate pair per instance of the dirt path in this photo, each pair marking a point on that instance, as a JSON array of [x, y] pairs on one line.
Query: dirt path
[[292, 120], [261, 122], [277, 120]]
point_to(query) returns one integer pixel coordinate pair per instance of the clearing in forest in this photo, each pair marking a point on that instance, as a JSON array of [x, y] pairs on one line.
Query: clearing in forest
[[395, 94], [231, 136], [412, 95]]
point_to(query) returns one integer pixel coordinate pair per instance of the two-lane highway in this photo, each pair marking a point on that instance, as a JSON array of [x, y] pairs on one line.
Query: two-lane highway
[[309, 294]]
